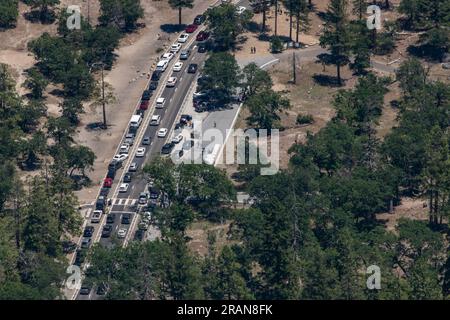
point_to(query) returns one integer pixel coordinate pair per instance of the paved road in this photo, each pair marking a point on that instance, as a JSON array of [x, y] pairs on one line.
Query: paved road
[[127, 202]]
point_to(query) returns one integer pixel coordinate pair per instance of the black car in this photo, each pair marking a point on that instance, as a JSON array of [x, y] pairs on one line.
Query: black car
[[110, 218], [192, 68], [107, 230], [104, 191], [156, 75], [185, 118], [68, 247], [146, 141], [127, 177], [199, 19], [167, 148], [153, 85], [88, 231], [139, 235], [100, 204], [111, 174], [146, 95], [202, 48], [126, 217], [80, 257], [115, 165], [85, 289]]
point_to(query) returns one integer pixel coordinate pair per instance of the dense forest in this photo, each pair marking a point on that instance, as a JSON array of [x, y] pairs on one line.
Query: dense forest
[[312, 230]]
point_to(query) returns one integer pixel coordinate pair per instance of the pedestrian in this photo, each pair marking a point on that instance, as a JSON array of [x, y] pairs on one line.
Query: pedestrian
[[215, 124], [254, 49]]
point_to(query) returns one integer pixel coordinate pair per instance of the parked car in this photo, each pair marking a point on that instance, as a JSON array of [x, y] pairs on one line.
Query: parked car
[[162, 65], [140, 152], [133, 167], [171, 82], [115, 165], [68, 247], [192, 68], [101, 203], [178, 66], [153, 85], [121, 233], [96, 216], [177, 139], [107, 183], [124, 148], [156, 75], [202, 36], [144, 105], [85, 289], [120, 157], [184, 55], [174, 48], [201, 48], [191, 28], [162, 132], [143, 226], [80, 256], [183, 38], [110, 218], [199, 19], [107, 230], [146, 141], [167, 56], [143, 197], [167, 148], [104, 192], [101, 289], [86, 243], [124, 187], [129, 139], [146, 95], [126, 217]]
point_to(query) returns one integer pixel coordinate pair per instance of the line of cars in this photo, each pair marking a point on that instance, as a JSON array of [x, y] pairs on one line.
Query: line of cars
[[150, 195]]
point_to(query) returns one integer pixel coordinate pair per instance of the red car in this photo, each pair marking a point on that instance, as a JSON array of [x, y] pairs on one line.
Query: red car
[[202, 36], [144, 105], [191, 28], [108, 183]]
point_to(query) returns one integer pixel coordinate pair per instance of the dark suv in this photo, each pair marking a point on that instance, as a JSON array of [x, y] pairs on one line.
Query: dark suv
[[156, 75], [199, 19]]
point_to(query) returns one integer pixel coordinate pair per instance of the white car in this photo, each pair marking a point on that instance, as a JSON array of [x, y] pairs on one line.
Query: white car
[[177, 139], [167, 56], [120, 157], [121, 233], [140, 152], [124, 187], [240, 10], [96, 216], [124, 148], [160, 103], [183, 38], [162, 65], [178, 66], [175, 47], [162, 132], [156, 119], [171, 82]]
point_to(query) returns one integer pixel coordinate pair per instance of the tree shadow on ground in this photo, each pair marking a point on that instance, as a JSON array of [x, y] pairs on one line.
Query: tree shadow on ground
[[327, 80], [172, 28], [427, 52], [36, 16]]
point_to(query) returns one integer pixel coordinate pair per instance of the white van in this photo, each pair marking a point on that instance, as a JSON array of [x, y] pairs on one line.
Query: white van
[[136, 120], [160, 102], [162, 65]]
